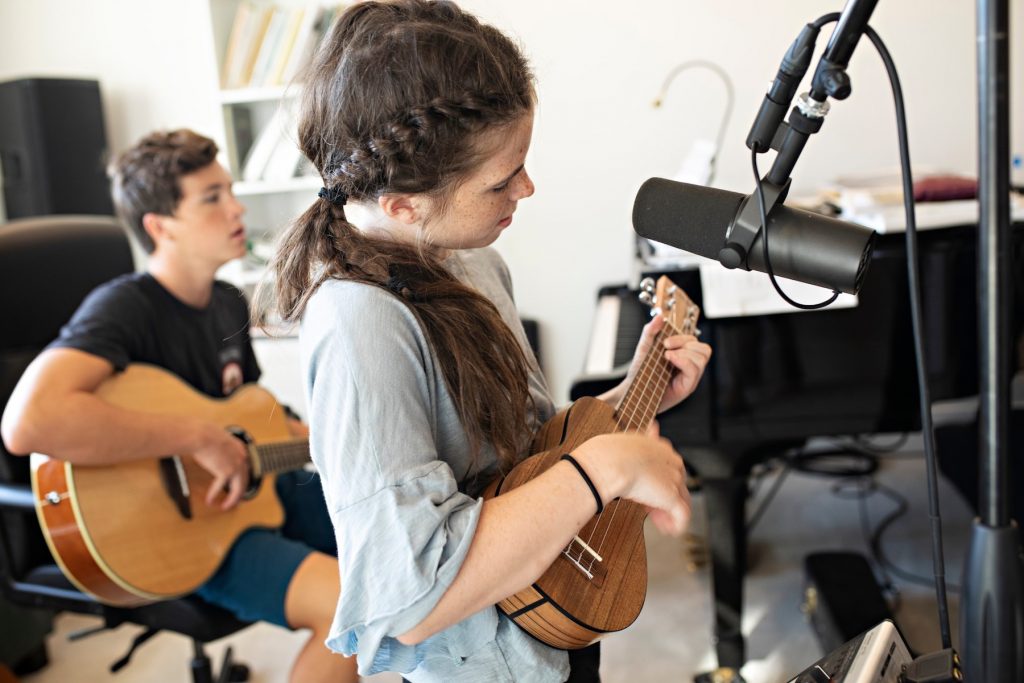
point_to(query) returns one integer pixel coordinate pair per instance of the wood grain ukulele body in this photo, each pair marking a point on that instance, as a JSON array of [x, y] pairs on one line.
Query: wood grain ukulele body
[[139, 531], [598, 584]]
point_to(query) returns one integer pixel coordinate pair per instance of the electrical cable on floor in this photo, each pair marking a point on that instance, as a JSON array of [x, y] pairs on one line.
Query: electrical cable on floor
[[854, 462], [769, 497]]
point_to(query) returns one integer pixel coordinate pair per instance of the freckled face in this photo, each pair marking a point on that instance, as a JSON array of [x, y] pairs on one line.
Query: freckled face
[[483, 204]]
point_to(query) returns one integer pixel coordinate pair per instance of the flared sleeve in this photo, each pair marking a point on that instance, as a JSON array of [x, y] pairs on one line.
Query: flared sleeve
[[379, 419]]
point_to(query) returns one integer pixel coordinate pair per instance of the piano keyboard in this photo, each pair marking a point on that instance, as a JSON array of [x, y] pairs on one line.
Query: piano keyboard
[[618, 320]]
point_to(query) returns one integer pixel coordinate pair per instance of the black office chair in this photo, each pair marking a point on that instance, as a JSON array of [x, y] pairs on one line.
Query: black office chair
[[47, 266]]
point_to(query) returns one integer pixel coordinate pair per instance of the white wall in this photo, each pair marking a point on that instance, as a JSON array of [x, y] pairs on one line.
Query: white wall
[[597, 138]]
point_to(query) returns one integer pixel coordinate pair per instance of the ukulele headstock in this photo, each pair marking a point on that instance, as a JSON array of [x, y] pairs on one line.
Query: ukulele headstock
[[670, 301]]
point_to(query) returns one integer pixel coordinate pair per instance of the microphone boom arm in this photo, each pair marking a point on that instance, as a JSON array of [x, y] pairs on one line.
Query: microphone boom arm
[[769, 131]]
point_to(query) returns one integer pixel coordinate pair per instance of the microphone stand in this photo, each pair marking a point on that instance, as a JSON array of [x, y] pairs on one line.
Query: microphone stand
[[992, 603]]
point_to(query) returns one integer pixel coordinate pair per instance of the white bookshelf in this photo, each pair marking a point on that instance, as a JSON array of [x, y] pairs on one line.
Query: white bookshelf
[[268, 93], [273, 189]]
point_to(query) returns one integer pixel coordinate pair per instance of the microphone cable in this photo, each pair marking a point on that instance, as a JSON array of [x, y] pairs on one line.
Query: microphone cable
[[764, 243], [914, 286]]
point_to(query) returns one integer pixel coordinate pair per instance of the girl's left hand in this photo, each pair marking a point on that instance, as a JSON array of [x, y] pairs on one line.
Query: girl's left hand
[[688, 357]]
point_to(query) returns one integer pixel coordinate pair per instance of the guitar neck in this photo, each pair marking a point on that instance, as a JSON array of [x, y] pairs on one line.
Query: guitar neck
[[282, 456], [640, 404]]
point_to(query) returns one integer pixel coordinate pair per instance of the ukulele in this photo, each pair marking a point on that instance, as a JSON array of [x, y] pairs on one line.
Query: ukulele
[[140, 531], [598, 583]]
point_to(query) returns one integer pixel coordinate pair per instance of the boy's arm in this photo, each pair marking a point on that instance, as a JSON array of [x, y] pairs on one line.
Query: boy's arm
[[54, 410]]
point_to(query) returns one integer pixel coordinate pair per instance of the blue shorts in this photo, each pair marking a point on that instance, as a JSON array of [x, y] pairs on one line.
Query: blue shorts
[[253, 580]]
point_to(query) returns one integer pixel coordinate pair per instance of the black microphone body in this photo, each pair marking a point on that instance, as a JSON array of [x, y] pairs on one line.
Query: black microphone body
[[804, 246]]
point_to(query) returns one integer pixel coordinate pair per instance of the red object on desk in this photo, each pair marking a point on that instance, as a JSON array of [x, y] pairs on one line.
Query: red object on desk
[[945, 188]]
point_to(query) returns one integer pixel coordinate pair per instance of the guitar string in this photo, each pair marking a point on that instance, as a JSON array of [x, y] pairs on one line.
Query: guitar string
[[636, 397], [283, 455], [628, 401], [651, 391], [646, 404], [658, 365]]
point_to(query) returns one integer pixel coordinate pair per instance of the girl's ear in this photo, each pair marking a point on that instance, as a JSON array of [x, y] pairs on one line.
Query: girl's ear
[[407, 209]]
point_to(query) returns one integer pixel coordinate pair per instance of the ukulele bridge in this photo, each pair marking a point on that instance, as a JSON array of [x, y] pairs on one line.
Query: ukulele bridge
[[578, 552]]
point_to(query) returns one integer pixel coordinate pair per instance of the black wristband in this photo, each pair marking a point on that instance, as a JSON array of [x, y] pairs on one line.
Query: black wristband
[[583, 473]]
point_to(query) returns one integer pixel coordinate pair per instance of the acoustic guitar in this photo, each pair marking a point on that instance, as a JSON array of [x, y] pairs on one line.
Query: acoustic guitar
[[598, 584], [140, 531]]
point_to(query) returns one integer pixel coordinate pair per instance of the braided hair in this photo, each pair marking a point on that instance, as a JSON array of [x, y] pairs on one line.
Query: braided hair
[[397, 100]]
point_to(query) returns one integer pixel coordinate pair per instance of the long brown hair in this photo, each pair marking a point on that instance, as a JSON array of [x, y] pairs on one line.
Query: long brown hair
[[397, 100]]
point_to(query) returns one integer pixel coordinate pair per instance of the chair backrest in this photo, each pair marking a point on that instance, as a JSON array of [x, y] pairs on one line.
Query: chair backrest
[[47, 267]]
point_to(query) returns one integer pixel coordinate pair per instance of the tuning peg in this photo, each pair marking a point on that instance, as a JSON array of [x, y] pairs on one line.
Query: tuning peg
[[647, 284], [646, 298], [671, 304]]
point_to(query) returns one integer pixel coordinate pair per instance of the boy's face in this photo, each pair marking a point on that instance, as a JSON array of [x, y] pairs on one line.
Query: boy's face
[[206, 226]]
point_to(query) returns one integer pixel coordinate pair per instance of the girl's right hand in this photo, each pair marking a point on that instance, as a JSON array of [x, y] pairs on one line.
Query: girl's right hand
[[643, 468]]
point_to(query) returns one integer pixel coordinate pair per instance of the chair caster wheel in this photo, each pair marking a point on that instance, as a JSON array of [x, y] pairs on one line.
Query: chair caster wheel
[[238, 673]]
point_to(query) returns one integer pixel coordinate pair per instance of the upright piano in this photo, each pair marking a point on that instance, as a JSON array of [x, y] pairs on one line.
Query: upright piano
[[774, 381]]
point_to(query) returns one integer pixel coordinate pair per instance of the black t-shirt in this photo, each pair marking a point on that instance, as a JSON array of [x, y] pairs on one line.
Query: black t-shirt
[[133, 319]]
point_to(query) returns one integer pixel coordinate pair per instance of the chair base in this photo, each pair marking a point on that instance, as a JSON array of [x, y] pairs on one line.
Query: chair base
[[230, 671]]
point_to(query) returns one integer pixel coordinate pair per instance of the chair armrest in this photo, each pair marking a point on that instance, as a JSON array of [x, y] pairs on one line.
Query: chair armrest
[[16, 497]]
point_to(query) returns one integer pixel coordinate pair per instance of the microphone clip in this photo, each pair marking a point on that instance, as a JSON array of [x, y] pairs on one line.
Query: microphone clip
[[743, 230]]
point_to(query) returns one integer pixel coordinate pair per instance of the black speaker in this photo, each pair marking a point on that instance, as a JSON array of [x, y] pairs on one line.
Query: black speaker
[[53, 148]]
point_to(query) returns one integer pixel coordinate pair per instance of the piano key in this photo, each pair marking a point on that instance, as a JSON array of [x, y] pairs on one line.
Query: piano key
[[603, 334]]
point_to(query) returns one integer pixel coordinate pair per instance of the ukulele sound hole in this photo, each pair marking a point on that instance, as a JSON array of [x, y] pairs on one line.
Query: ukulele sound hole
[[586, 560]]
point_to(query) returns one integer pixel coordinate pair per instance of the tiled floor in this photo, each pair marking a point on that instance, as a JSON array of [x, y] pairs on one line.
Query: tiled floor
[[671, 641]]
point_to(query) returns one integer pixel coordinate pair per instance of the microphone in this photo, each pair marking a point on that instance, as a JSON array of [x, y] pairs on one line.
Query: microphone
[[803, 246]]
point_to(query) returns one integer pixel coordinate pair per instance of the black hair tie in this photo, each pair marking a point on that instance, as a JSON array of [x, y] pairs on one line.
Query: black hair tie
[[333, 195]]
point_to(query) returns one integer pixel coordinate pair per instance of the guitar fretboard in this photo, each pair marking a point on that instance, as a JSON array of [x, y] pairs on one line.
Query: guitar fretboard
[[283, 455], [640, 404]]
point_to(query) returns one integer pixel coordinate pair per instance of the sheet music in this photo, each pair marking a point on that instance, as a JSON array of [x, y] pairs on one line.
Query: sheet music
[[733, 293]]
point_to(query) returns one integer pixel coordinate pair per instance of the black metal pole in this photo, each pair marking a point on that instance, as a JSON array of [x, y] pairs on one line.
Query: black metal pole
[[994, 257], [992, 608]]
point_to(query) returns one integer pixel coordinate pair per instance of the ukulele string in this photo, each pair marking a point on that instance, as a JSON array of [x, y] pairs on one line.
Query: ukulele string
[[645, 405]]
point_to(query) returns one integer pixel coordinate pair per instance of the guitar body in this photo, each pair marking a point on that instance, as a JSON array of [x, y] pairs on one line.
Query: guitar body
[[117, 533], [565, 607]]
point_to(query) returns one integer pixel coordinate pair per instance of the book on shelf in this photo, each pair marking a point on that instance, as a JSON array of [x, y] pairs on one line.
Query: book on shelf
[[241, 134], [268, 47], [284, 159], [296, 15], [315, 23], [247, 32], [263, 146], [270, 44], [231, 69], [264, 16]]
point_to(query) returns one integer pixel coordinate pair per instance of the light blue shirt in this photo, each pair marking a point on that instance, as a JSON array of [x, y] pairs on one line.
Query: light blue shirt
[[400, 487]]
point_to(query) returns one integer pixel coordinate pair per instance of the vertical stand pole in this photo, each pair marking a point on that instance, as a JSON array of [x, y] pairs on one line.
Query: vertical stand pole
[[992, 607]]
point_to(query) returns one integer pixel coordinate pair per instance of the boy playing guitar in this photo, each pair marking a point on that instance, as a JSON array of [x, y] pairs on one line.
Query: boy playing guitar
[[178, 200]]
